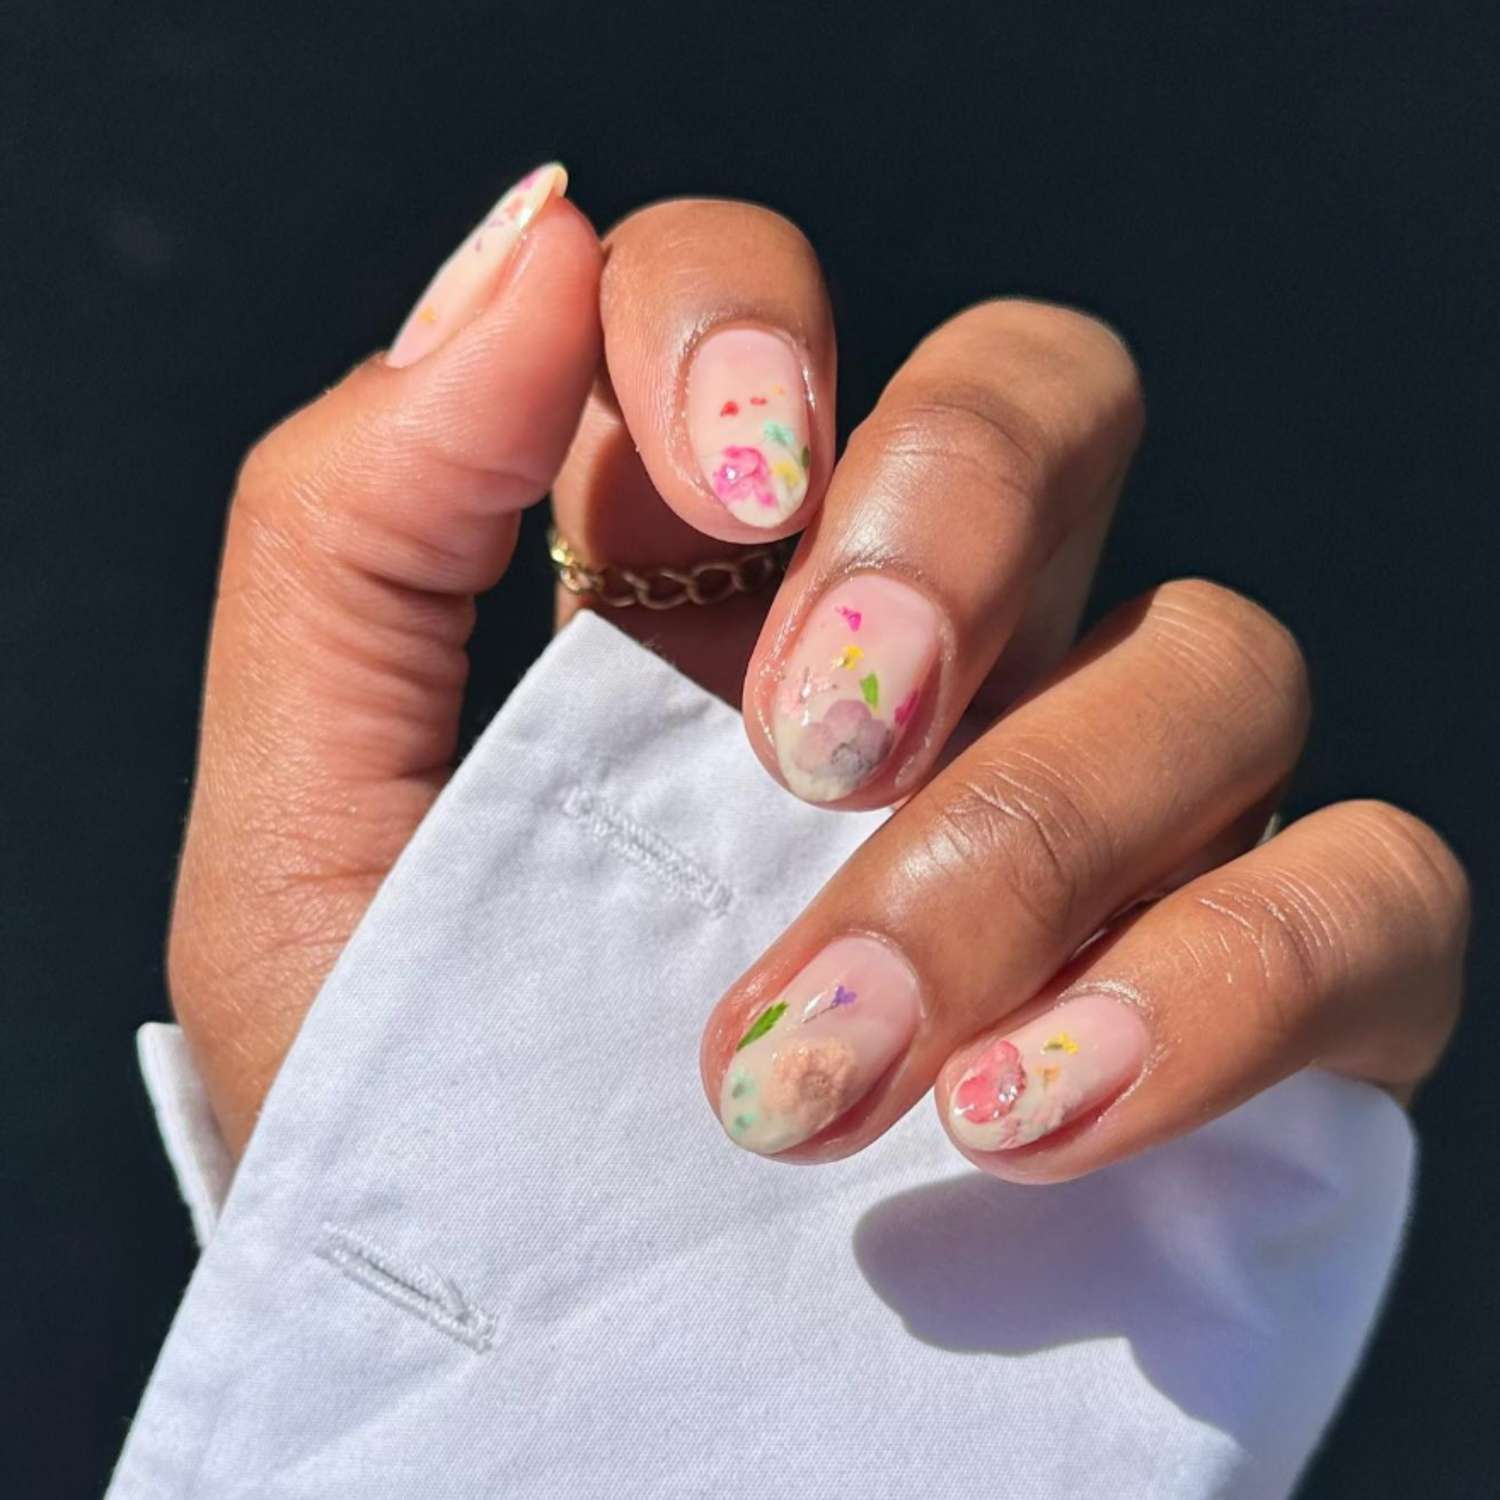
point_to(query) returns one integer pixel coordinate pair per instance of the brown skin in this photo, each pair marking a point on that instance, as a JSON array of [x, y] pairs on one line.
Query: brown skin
[[1146, 759]]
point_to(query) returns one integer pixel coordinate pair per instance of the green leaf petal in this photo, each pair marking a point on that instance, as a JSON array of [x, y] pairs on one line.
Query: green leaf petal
[[870, 687], [779, 434], [762, 1024], [806, 457]]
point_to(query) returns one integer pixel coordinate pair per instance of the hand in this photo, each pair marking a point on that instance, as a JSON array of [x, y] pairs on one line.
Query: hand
[[970, 508]]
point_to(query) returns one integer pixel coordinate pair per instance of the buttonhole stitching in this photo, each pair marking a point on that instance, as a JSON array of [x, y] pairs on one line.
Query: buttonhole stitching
[[635, 842], [412, 1286]]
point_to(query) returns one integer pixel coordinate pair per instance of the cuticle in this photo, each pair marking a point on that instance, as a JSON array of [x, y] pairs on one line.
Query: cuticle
[[886, 941], [704, 330]]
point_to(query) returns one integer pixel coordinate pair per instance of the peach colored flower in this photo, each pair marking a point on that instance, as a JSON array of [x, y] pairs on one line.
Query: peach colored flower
[[811, 1079]]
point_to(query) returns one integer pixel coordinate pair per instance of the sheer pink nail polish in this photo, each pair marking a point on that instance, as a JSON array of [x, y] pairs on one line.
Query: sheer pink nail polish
[[820, 1045], [464, 283], [1018, 1088], [852, 685], [748, 425]]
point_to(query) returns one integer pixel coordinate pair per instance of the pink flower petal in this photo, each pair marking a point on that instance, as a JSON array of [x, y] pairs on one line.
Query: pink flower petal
[[743, 474], [990, 1089]]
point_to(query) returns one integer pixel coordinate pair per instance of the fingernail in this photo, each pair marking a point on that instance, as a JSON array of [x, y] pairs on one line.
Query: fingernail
[[464, 283], [1077, 1056], [747, 422], [820, 1045], [852, 685]]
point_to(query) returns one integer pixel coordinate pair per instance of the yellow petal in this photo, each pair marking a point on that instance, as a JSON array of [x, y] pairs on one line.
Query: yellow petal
[[1062, 1042], [848, 656]]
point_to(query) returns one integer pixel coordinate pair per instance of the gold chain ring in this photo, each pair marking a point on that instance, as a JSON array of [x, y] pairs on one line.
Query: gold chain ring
[[667, 588]]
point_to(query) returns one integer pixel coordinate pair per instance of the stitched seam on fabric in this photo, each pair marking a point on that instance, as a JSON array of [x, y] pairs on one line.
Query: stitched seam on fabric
[[408, 1285], [632, 840]]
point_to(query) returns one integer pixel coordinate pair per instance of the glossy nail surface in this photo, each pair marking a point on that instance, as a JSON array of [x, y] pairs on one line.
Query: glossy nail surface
[[820, 1045], [852, 684], [467, 277], [1016, 1089], [748, 425]]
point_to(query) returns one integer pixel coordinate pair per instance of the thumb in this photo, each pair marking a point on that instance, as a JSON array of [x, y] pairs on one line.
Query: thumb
[[360, 531]]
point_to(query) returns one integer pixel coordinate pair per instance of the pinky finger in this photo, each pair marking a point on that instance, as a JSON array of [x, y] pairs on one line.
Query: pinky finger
[[1338, 943]]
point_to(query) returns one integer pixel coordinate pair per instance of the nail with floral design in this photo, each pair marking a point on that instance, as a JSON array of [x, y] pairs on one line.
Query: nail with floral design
[[467, 278], [852, 685], [747, 421], [814, 1050], [1015, 1089]]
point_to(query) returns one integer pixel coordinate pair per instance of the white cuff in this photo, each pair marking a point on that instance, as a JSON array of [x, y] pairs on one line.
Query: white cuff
[[488, 1239], [189, 1132]]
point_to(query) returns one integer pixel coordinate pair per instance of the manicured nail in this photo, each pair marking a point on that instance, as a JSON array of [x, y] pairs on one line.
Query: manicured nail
[[747, 422], [1075, 1058], [464, 283], [852, 685], [820, 1045]]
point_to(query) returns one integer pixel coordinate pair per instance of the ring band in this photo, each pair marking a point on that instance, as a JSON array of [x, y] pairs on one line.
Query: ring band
[[666, 588]]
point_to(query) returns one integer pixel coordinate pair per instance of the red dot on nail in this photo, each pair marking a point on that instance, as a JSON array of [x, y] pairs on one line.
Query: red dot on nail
[[757, 401], [730, 409]]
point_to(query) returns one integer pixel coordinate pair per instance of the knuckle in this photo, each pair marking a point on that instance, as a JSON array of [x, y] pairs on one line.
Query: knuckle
[[1368, 908], [1066, 336], [282, 485], [1035, 403], [324, 445], [1029, 828], [1418, 862], [1211, 628], [963, 422], [264, 468], [1291, 937], [328, 492]]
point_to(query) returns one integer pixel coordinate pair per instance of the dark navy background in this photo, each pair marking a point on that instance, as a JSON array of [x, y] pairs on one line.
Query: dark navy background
[[213, 209]]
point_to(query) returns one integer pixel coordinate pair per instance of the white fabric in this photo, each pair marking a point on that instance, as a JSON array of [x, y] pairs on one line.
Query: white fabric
[[194, 1146], [488, 1239]]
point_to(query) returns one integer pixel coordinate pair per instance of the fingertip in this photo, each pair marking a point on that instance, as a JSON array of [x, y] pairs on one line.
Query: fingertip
[[434, 455], [1022, 1103], [720, 348], [468, 279], [504, 393], [840, 698]]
